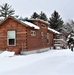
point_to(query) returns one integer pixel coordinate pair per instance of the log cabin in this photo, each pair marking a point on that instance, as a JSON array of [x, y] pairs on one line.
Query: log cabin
[[33, 34]]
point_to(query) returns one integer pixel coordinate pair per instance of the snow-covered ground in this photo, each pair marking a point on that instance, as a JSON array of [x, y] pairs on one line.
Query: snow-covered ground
[[53, 62]]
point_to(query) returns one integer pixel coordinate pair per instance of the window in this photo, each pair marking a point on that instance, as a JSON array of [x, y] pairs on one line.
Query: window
[[33, 33], [41, 33], [43, 26], [47, 37], [11, 38], [48, 41]]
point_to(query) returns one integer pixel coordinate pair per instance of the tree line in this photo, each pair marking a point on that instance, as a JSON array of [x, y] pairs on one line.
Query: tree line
[[55, 20]]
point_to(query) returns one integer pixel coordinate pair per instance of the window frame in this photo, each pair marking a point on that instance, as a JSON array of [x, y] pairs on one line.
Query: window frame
[[33, 33], [43, 26], [47, 36], [42, 34], [11, 38]]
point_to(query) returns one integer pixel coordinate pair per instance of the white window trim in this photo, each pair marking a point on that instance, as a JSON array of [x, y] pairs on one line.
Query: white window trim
[[32, 31], [47, 35], [48, 38], [12, 38], [42, 34]]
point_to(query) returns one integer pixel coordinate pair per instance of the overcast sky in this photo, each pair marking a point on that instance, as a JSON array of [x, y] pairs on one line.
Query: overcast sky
[[25, 8]]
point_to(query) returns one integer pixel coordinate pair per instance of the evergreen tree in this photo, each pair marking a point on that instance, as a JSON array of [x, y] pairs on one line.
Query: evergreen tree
[[43, 16], [55, 21], [34, 16], [6, 10]]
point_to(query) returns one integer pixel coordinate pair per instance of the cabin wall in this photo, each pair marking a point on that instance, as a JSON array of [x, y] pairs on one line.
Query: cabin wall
[[39, 41], [12, 25]]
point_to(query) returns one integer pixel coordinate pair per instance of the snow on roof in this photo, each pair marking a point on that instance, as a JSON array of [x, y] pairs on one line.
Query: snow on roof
[[30, 24], [40, 20], [26, 22], [54, 31]]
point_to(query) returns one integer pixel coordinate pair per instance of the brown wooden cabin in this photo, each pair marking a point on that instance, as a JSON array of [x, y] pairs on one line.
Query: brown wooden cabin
[[16, 35]]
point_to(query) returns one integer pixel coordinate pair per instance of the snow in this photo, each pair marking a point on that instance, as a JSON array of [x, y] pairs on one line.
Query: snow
[[61, 40], [7, 54], [54, 31], [30, 24], [52, 62], [26, 22], [69, 36], [39, 20]]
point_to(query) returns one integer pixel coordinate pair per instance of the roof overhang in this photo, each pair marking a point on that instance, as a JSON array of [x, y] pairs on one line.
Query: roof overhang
[[46, 22], [26, 23], [54, 31]]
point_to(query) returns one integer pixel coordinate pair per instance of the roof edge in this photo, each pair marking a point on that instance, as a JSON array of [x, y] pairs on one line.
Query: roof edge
[[22, 22], [54, 31], [40, 20]]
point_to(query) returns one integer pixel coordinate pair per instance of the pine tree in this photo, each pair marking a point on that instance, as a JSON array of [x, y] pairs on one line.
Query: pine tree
[[39, 16], [34, 16], [6, 10], [55, 21], [43, 16]]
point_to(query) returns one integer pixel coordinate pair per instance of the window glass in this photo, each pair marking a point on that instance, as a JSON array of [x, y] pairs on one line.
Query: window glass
[[11, 41], [11, 34], [47, 35], [43, 26], [33, 33], [11, 38], [41, 33]]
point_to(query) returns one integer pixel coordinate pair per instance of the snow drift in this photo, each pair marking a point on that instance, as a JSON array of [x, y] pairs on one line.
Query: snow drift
[[7, 54]]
